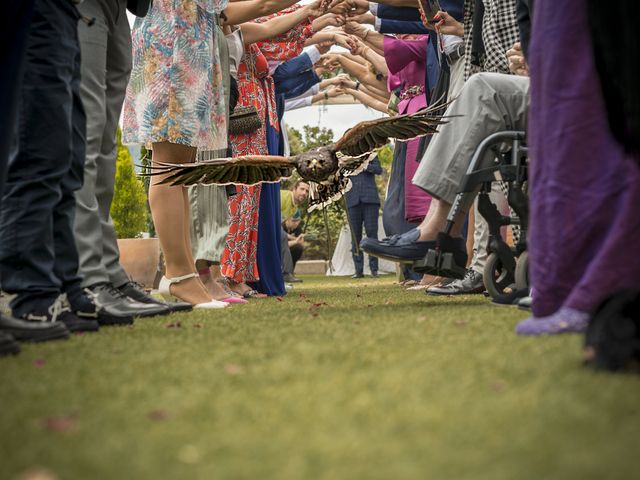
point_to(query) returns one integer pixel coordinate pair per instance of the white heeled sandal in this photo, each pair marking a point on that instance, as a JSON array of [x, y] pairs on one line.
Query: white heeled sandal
[[164, 289]]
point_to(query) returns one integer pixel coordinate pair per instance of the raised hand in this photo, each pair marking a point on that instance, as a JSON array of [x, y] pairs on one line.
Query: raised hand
[[447, 25], [356, 29]]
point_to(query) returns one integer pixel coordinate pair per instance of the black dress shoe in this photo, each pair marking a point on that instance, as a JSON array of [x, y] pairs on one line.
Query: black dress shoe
[[290, 278], [471, 283], [374, 274], [510, 299], [24, 331], [118, 308], [357, 275], [8, 345], [136, 292], [405, 248]]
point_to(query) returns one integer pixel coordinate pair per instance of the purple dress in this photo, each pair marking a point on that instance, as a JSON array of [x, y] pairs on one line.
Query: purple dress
[[406, 60], [585, 189]]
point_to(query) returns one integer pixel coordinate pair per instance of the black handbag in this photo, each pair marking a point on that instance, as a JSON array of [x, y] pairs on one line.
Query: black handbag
[[139, 8], [244, 120]]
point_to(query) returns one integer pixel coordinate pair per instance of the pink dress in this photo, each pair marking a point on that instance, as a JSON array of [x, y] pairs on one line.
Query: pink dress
[[406, 60]]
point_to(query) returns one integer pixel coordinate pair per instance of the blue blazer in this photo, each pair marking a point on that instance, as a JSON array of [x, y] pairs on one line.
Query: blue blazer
[[295, 76], [364, 188]]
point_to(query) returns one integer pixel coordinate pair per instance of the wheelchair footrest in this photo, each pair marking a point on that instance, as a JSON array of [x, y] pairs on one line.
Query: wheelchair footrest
[[439, 263]]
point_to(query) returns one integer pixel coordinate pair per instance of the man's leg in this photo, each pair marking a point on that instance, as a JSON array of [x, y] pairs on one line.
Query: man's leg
[[287, 261], [17, 16], [118, 70], [88, 229], [355, 223], [40, 160], [371, 213]]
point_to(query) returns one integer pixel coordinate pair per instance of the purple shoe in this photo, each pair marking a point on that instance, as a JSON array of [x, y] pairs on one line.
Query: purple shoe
[[565, 320]]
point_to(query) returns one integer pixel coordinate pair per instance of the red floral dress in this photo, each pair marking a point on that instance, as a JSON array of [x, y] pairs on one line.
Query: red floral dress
[[256, 88]]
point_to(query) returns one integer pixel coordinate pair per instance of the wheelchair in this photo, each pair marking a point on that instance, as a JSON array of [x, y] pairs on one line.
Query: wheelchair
[[503, 157]]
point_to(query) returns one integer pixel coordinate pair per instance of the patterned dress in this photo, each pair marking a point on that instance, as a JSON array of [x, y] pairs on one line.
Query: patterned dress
[[239, 258], [174, 94]]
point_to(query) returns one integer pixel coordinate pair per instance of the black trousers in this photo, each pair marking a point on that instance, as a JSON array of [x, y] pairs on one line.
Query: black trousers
[[366, 213], [15, 19], [38, 256]]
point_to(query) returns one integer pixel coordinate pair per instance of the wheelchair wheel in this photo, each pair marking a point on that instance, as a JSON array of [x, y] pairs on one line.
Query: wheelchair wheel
[[522, 271], [496, 278]]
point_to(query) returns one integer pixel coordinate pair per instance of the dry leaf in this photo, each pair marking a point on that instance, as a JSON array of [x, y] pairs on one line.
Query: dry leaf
[[39, 362], [176, 324], [60, 424], [158, 415], [421, 319], [280, 299], [233, 369], [197, 325]]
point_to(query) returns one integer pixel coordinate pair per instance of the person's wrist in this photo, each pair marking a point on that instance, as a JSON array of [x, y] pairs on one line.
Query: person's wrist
[[366, 32]]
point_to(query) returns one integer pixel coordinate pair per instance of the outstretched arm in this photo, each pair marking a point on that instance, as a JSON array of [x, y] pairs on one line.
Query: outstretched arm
[[257, 32], [238, 12]]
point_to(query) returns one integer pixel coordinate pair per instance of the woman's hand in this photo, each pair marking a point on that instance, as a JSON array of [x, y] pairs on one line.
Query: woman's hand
[[356, 29]]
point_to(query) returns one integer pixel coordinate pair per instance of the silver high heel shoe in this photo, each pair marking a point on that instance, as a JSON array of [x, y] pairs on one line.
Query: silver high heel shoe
[[164, 289]]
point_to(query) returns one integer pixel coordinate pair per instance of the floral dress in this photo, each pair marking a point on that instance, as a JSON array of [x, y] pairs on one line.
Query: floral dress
[[175, 92], [239, 258]]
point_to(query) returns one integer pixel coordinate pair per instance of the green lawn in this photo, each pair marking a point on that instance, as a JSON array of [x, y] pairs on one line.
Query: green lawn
[[341, 379]]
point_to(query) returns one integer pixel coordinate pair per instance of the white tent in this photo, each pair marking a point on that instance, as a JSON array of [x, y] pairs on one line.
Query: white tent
[[342, 261]]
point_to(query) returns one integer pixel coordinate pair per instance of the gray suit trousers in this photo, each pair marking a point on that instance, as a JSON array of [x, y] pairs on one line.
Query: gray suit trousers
[[106, 64]]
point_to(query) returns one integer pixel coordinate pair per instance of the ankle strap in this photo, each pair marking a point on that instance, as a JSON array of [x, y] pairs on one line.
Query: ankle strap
[[183, 277]]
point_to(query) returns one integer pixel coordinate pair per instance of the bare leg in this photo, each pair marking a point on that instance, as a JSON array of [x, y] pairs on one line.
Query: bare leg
[[436, 219], [169, 209], [209, 280]]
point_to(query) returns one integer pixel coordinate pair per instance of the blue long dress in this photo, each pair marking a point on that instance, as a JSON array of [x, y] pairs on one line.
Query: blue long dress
[[269, 257]]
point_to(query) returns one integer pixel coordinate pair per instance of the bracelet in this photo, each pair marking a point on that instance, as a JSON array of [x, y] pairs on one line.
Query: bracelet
[[326, 95], [357, 87]]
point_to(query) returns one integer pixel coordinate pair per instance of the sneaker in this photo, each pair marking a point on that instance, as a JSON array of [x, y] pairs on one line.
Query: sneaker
[[60, 311], [471, 283]]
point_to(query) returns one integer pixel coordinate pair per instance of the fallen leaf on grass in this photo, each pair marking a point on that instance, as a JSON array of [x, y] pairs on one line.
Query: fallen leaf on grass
[[280, 299], [39, 362], [314, 314], [499, 386], [158, 415], [233, 369], [302, 295], [421, 319], [460, 323], [176, 324], [388, 302], [197, 325], [60, 424]]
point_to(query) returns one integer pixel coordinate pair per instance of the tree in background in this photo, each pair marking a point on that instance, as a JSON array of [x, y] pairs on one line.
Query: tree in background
[[129, 206]]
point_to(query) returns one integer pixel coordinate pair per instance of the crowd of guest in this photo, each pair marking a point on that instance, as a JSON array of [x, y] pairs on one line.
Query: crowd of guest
[[195, 80]]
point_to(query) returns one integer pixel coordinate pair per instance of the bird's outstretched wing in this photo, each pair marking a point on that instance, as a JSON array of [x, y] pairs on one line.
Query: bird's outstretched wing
[[247, 170], [367, 136]]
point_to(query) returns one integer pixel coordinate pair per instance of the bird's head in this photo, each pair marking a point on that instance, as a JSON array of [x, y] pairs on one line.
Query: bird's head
[[316, 165]]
